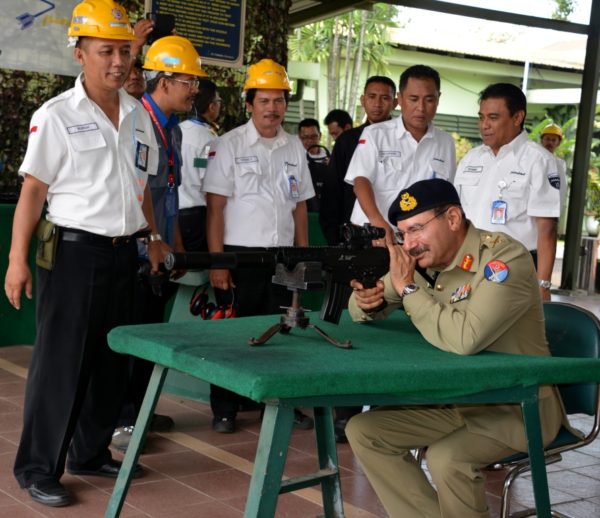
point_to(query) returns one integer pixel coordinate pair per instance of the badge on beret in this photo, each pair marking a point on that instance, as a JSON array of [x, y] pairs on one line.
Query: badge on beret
[[554, 180], [407, 202], [460, 293], [467, 262], [496, 271]]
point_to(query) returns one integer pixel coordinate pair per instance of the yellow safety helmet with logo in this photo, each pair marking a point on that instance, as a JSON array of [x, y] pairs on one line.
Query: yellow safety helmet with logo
[[174, 55], [99, 19], [267, 74], [552, 129]]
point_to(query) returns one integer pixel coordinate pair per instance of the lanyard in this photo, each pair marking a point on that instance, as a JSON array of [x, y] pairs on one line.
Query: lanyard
[[163, 137]]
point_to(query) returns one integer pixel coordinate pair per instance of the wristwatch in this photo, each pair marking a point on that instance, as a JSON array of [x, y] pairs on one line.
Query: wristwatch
[[154, 237], [544, 284], [409, 288]]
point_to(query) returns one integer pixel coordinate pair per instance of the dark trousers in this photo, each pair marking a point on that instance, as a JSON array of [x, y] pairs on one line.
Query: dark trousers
[[192, 224], [75, 385], [254, 294], [149, 308]]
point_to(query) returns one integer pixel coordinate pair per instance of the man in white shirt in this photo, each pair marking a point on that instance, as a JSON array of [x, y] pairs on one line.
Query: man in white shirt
[[89, 154], [256, 183], [198, 133], [511, 184], [394, 154], [550, 138]]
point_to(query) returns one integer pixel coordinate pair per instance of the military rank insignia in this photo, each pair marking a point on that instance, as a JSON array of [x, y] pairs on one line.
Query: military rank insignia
[[407, 202], [496, 271], [466, 263], [460, 293]]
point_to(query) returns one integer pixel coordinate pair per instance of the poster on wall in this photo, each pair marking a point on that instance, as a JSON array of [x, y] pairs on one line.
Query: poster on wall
[[215, 27], [33, 36]]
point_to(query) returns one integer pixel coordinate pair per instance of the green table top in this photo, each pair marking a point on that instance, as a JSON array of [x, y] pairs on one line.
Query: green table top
[[388, 357]]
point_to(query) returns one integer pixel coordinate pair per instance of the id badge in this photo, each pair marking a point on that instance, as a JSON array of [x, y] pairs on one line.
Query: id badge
[[293, 185], [499, 208], [170, 203], [141, 156]]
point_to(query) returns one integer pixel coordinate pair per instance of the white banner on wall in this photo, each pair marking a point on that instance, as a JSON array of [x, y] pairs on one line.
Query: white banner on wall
[[33, 36]]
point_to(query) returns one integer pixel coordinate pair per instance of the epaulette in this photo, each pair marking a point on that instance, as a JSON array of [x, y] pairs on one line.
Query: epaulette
[[492, 240]]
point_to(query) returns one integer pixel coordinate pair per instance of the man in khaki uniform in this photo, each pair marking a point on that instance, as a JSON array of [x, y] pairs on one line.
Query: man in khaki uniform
[[485, 296]]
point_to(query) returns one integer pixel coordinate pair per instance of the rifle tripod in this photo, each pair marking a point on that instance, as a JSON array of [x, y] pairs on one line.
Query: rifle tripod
[[295, 317]]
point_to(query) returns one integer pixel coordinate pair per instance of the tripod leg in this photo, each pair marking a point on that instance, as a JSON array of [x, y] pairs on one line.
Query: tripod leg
[[344, 345], [266, 335]]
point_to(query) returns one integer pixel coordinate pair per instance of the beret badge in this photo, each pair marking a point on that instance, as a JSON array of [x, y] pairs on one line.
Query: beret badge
[[407, 202]]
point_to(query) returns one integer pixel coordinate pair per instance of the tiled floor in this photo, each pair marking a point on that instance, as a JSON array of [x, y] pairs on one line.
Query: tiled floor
[[193, 471]]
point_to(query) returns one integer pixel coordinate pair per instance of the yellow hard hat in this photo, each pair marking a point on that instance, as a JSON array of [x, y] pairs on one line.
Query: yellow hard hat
[[552, 129], [174, 55], [100, 19], [267, 74]]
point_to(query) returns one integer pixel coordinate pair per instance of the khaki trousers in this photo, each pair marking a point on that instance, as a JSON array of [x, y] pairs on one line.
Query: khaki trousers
[[381, 440]]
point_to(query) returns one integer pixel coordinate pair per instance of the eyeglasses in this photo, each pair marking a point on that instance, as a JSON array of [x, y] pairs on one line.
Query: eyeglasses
[[415, 230], [191, 83]]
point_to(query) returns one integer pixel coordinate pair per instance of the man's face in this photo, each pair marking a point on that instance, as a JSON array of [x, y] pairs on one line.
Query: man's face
[[429, 239], [310, 136], [181, 91], [496, 125], [378, 102], [135, 84], [105, 63], [418, 102], [267, 110], [335, 130], [550, 142]]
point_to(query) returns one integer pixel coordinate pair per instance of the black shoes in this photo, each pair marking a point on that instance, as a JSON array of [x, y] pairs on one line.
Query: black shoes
[[49, 492], [223, 424], [161, 423], [302, 422], [108, 470], [339, 428]]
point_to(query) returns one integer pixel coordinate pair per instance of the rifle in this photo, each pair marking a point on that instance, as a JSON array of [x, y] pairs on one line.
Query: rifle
[[307, 267]]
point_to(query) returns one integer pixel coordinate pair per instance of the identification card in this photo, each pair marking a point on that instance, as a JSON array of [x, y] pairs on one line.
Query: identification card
[[141, 156], [293, 184], [499, 208], [171, 202]]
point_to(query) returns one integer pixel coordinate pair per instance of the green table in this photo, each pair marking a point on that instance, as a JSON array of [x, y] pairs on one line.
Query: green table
[[390, 364]]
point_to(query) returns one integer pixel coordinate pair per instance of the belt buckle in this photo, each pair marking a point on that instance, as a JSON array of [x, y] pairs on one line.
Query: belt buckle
[[120, 240]]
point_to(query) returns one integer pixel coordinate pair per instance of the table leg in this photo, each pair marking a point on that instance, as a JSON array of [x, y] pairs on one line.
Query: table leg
[[531, 416], [271, 454], [136, 443], [327, 453]]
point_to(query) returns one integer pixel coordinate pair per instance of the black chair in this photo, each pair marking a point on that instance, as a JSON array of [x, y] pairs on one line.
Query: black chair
[[571, 332]]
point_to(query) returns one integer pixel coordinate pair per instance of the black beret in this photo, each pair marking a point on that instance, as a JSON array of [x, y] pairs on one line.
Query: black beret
[[422, 196]]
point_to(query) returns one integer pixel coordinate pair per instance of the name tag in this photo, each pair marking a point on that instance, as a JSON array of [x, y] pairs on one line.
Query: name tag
[[90, 126], [385, 154], [473, 169], [245, 159], [518, 173]]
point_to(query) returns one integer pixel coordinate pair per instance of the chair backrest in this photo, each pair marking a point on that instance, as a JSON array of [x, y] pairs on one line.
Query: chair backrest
[[574, 332]]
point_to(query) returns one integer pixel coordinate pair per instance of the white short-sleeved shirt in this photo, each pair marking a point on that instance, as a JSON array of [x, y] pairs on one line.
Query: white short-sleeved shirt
[[523, 174], [564, 186], [96, 174], [263, 181], [391, 159], [197, 137]]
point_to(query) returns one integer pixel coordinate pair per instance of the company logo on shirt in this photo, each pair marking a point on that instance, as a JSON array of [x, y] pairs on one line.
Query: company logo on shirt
[[554, 180], [362, 141]]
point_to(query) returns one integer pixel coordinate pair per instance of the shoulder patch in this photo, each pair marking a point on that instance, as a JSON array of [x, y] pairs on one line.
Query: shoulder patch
[[496, 271], [554, 180]]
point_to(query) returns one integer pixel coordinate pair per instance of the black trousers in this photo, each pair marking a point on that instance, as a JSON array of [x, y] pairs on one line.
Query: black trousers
[[75, 385], [254, 294], [192, 224]]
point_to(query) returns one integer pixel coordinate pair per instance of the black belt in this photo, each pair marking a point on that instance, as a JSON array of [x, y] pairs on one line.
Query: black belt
[[192, 210], [75, 235]]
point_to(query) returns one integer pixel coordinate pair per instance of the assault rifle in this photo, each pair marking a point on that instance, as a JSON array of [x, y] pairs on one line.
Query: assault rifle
[[307, 267]]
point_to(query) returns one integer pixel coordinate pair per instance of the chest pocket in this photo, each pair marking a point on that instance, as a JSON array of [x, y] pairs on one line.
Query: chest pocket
[[466, 184], [391, 169], [249, 178], [439, 169], [87, 140]]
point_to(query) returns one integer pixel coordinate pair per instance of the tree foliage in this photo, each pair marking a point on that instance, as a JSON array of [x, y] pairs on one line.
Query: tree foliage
[[344, 42], [21, 93]]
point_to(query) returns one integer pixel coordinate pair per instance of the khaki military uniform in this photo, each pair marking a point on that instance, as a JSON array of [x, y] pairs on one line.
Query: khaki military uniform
[[464, 313]]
